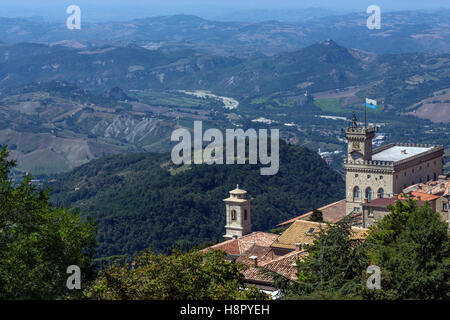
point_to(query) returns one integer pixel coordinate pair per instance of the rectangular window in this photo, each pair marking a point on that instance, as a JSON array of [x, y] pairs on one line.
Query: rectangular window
[[370, 213], [381, 177], [444, 207]]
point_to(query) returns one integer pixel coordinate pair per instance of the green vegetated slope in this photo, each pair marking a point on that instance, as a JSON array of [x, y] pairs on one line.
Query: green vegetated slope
[[142, 201], [399, 79]]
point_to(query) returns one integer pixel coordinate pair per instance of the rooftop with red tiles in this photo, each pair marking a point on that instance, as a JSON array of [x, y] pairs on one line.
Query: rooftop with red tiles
[[332, 213]]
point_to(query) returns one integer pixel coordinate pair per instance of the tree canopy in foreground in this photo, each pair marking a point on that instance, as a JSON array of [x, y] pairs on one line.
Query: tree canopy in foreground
[[410, 245], [38, 242], [180, 276]]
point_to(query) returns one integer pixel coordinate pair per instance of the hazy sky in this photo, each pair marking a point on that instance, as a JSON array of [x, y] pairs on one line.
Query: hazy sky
[[114, 9]]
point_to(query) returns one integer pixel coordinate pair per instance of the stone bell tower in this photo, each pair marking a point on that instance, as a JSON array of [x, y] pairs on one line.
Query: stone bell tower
[[359, 141], [238, 216]]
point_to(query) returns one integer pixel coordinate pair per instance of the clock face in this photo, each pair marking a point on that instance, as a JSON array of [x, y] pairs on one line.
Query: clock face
[[356, 155]]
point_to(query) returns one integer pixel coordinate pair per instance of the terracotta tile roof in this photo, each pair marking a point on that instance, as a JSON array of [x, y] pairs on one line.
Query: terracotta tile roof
[[258, 238], [229, 246], [304, 232], [283, 265], [380, 202], [439, 187], [332, 213], [424, 196], [264, 254], [240, 245], [384, 202]]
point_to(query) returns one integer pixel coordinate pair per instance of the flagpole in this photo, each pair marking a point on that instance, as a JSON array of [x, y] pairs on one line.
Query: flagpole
[[365, 113]]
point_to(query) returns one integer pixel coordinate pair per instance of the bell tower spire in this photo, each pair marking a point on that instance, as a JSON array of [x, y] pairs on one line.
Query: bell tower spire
[[238, 215]]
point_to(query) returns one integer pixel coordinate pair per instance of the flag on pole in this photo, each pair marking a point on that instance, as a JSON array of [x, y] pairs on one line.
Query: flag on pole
[[370, 103]]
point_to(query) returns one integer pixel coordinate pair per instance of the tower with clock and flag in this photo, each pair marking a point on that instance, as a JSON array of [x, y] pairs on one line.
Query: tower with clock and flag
[[359, 141], [381, 173]]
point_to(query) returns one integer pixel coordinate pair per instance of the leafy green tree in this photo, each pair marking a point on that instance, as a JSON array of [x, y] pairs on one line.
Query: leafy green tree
[[412, 248], [386, 231], [37, 241], [180, 276], [410, 245], [334, 263], [316, 216]]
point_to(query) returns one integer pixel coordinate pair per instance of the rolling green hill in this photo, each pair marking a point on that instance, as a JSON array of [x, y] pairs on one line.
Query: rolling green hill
[[401, 80], [91, 102], [142, 201]]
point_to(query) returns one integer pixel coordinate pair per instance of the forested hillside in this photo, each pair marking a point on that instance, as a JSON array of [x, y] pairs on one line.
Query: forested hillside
[[142, 201]]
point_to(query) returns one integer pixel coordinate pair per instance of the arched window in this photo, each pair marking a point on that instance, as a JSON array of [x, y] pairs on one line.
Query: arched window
[[245, 214], [356, 193], [381, 193], [233, 214], [369, 194]]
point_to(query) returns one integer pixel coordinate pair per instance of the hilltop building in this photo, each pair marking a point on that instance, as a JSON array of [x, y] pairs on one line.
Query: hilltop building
[[376, 177], [385, 171]]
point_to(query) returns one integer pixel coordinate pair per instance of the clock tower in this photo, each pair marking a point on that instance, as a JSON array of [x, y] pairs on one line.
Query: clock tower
[[359, 156], [359, 142]]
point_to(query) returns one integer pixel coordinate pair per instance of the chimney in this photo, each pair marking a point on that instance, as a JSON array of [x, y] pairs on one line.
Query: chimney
[[255, 260], [298, 245]]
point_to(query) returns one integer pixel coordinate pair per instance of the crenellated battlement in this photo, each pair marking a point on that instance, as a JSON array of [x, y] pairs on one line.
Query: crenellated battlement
[[369, 163], [360, 130]]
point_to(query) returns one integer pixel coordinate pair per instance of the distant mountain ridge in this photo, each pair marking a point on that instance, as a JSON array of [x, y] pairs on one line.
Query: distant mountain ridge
[[405, 31], [319, 67]]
